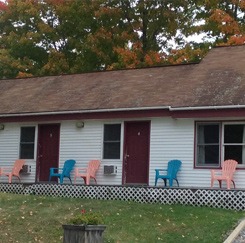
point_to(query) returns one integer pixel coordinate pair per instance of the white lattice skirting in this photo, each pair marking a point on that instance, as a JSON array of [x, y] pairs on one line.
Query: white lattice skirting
[[228, 199]]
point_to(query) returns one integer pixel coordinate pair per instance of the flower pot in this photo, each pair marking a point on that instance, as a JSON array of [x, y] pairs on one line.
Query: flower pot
[[83, 233]]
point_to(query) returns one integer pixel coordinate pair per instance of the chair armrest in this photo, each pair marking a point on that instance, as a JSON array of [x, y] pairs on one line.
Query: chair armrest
[[52, 170], [6, 169], [214, 171], [78, 170], [158, 172]]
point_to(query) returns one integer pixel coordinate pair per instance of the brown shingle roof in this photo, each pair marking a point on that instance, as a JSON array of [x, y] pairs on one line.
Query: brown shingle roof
[[218, 80]]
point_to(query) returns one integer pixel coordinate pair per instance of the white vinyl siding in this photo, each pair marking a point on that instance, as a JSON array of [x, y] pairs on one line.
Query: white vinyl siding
[[169, 139], [84, 144], [174, 139], [9, 152]]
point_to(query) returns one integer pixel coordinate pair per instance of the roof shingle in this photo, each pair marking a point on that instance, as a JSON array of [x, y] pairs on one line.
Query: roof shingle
[[218, 80]]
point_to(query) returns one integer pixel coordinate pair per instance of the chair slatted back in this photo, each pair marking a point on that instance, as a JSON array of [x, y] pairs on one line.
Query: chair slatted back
[[68, 166], [17, 167], [173, 168], [229, 167], [93, 166]]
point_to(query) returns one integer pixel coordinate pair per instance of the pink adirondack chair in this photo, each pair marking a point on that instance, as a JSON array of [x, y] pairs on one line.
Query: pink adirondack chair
[[89, 172], [225, 174], [13, 171]]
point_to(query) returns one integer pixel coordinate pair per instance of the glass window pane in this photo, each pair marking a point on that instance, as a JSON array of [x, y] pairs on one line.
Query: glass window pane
[[26, 151], [27, 141], [234, 134], [208, 134], [112, 141], [208, 144], [112, 151], [27, 134], [212, 154], [112, 132], [208, 154], [234, 152]]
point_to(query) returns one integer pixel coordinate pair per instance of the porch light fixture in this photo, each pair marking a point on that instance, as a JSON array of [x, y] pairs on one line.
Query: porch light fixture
[[1, 126], [79, 124]]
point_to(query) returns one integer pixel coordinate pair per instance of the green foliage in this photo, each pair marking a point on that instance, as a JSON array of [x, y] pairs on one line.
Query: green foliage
[[224, 20], [72, 36], [59, 36], [87, 218]]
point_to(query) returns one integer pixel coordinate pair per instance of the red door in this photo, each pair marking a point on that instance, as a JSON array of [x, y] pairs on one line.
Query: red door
[[48, 150], [136, 153]]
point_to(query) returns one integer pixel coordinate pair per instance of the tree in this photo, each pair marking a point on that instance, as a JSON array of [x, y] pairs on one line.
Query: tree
[[145, 29], [47, 37], [53, 36], [224, 21], [20, 52]]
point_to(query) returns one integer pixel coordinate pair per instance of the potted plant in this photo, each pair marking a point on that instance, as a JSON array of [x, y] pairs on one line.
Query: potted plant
[[86, 227]]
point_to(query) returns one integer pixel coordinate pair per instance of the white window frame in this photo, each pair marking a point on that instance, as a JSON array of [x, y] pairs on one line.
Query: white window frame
[[242, 165], [35, 141], [217, 165], [121, 141]]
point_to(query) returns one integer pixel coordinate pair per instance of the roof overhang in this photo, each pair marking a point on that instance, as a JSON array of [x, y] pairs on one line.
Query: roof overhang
[[44, 113], [215, 107], [138, 112]]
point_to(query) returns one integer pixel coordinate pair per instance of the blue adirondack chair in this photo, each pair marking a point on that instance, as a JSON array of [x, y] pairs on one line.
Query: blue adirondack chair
[[171, 172], [61, 173]]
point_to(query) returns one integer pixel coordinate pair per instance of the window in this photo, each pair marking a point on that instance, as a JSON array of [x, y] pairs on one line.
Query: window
[[216, 142], [112, 141], [234, 142], [27, 142], [208, 144]]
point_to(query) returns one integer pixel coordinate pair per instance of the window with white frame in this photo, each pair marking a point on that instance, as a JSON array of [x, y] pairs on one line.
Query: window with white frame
[[27, 142], [208, 144], [234, 142], [216, 142], [112, 141]]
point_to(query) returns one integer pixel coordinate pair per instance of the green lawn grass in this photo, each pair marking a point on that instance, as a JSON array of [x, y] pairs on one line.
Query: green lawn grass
[[25, 219]]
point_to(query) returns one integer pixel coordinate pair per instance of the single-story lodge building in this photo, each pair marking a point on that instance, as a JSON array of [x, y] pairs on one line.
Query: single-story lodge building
[[134, 121]]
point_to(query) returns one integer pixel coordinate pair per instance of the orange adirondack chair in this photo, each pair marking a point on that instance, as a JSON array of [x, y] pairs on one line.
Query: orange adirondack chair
[[87, 173], [225, 174], [13, 171]]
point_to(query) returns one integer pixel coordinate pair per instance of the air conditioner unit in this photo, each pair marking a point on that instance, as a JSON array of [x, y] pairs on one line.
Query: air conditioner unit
[[26, 169], [110, 170]]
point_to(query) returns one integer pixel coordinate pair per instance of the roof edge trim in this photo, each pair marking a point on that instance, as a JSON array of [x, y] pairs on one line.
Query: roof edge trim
[[188, 108], [215, 107], [84, 111]]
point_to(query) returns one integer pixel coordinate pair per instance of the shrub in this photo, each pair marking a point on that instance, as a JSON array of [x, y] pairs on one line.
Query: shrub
[[87, 218]]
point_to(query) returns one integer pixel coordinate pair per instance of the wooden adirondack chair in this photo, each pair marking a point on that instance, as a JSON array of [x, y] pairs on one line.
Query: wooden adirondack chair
[[225, 174], [13, 171], [89, 172], [170, 173]]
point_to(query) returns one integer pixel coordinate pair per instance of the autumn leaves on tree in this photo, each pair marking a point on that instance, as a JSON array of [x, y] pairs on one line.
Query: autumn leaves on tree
[[50, 37]]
